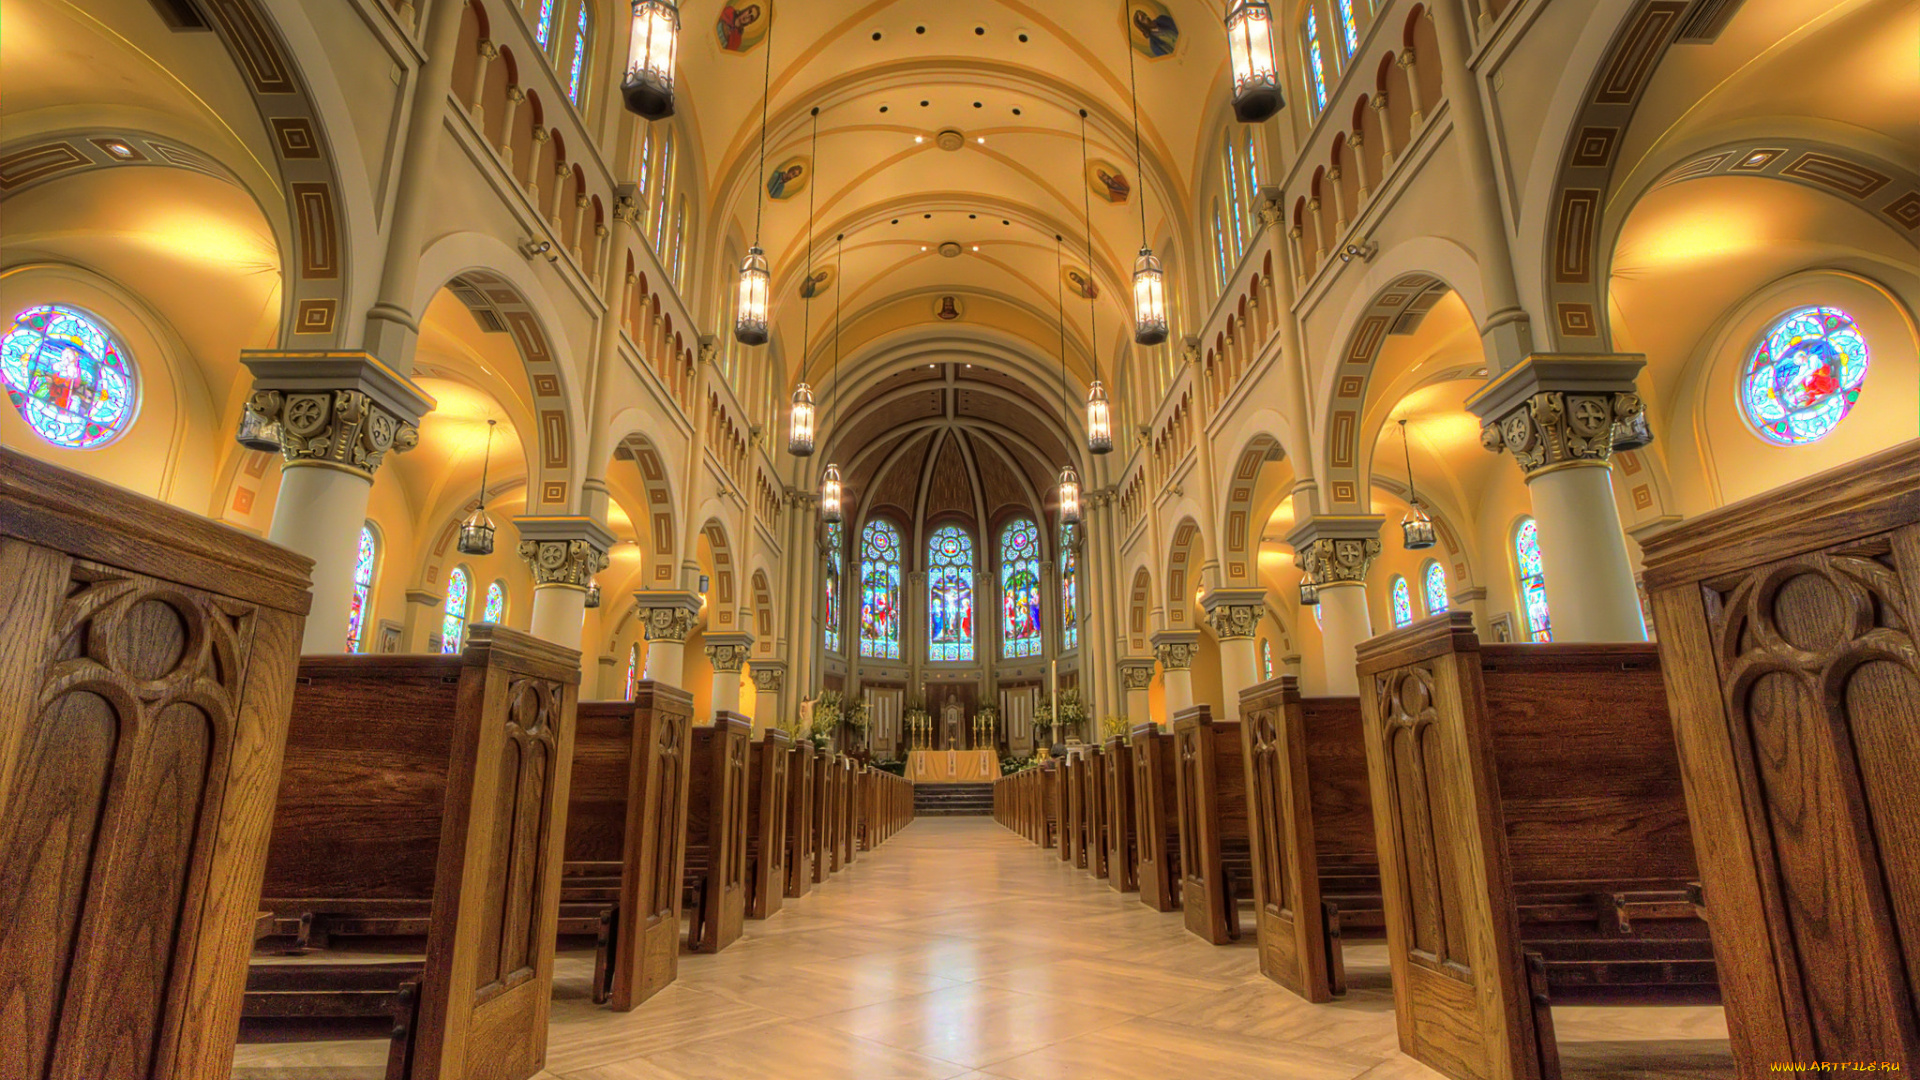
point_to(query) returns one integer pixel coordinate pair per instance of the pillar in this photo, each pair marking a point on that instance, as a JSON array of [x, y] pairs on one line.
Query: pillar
[[668, 617], [728, 652], [1136, 677], [1557, 416], [563, 553], [1175, 650], [1234, 616], [1338, 552], [338, 415], [769, 683]]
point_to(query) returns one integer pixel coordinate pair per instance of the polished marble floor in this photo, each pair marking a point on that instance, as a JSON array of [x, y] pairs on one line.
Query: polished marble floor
[[960, 951]]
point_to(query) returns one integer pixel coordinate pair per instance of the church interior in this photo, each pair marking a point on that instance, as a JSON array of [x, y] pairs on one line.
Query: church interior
[[656, 539]]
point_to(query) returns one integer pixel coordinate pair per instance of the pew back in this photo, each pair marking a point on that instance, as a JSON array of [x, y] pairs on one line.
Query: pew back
[[1121, 870], [1211, 797], [1156, 818], [653, 844], [717, 830], [770, 767], [800, 851]]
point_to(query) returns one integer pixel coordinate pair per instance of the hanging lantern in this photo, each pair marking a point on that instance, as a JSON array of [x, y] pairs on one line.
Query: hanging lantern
[[1309, 591], [648, 86], [476, 532], [593, 594], [830, 495], [1256, 77], [1417, 528], [800, 428], [750, 321], [1631, 433], [1069, 496], [258, 431], [1149, 300], [1099, 420]]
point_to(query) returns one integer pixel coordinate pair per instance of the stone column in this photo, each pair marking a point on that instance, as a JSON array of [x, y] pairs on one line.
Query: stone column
[[668, 617], [1234, 616], [563, 553], [729, 653], [1557, 416], [1338, 552], [1136, 676], [769, 685], [338, 416], [1175, 650], [421, 630]]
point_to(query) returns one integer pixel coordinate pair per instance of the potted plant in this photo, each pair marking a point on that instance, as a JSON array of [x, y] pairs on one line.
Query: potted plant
[[1115, 727], [1071, 715]]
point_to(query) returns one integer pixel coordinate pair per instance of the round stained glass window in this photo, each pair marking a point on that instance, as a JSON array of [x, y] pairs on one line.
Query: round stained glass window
[[67, 376], [1805, 376]]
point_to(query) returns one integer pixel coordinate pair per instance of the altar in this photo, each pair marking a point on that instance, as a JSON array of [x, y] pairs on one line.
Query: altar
[[953, 766]]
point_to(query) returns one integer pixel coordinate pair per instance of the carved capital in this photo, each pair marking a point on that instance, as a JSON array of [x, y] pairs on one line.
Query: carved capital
[[728, 652], [1231, 622], [1136, 674], [1176, 649], [1332, 560], [667, 616], [1552, 412], [769, 678], [562, 562], [709, 350], [1271, 211], [345, 410]]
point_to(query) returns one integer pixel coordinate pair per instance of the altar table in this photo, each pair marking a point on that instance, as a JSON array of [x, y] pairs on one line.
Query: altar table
[[953, 766]]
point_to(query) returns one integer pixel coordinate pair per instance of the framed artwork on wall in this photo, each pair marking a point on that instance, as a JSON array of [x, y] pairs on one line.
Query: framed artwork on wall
[[389, 639], [1503, 627]]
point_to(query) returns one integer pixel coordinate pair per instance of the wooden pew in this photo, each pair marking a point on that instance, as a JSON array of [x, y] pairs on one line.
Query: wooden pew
[[1210, 786], [1122, 870], [1796, 707], [716, 853], [826, 858], [844, 804], [1316, 872], [800, 837], [1533, 837], [626, 823], [1156, 827], [430, 786], [146, 672], [1094, 802], [769, 773], [1073, 846]]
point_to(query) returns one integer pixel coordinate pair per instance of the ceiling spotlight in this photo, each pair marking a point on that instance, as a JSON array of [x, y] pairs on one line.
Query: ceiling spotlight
[[976, 247], [919, 138], [1364, 252], [981, 139]]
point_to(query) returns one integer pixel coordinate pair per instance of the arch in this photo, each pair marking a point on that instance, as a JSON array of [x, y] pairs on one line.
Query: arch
[[1243, 513], [657, 485], [1017, 560], [1139, 611], [1400, 601], [722, 606], [763, 612], [1185, 554], [1433, 587], [952, 560], [366, 576], [880, 563]]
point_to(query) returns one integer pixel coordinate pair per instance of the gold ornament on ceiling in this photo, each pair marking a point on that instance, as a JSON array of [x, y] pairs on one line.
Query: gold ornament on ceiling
[[950, 140]]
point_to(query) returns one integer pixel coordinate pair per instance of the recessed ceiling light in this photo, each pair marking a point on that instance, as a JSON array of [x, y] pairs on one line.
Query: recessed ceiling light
[[1016, 110], [876, 35], [929, 217], [883, 108], [976, 247], [1023, 39], [919, 138], [973, 217], [924, 104], [979, 31], [982, 139], [923, 247], [919, 29], [976, 105]]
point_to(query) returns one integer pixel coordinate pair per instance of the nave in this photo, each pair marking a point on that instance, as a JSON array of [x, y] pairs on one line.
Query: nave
[[958, 951]]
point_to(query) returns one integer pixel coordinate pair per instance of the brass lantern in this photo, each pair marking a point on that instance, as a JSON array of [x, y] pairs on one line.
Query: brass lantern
[[259, 431], [1256, 75], [1069, 496], [1149, 300], [1309, 591], [593, 594], [1099, 420], [750, 320], [1417, 529], [647, 88], [830, 495], [800, 427], [476, 532]]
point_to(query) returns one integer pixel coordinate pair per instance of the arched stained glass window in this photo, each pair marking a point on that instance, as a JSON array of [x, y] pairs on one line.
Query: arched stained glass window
[[1349, 29], [67, 376], [1020, 589], [1316, 67], [633, 670], [1804, 376], [666, 186], [950, 595], [453, 624], [363, 567], [643, 168], [543, 26], [1266, 659], [679, 236], [496, 610], [836, 615], [880, 591], [1233, 206], [1220, 252], [1069, 587], [1253, 170], [1533, 580], [1402, 602], [582, 41], [1435, 577]]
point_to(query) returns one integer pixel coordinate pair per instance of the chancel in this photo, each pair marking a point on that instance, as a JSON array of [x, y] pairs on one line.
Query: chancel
[[651, 540]]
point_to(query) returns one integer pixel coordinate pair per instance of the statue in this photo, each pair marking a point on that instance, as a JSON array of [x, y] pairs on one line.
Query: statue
[[950, 720]]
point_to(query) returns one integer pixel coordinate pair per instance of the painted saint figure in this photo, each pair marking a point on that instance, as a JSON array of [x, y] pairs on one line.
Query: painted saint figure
[[778, 181], [1161, 32], [733, 23], [1117, 187]]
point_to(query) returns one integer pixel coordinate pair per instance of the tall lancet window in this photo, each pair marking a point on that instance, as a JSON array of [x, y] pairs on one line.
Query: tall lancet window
[[950, 595], [1069, 588], [1533, 580], [1020, 589], [880, 591], [836, 615], [363, 567], [453, 622]]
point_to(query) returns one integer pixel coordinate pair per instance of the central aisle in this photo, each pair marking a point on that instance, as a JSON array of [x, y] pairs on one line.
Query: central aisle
[[959, 947]]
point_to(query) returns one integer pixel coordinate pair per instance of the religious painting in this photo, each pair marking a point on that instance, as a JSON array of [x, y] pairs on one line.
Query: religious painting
[[946, 308], [950, 595], [1020, 589], [880, 591], [1080, 283], [1069, 588], [742, 26], [1108, 182], [834, 614], [789, 178], [815, 284], [1152, 29]]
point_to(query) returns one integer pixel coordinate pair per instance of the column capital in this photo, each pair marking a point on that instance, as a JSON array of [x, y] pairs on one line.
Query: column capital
[[1176, 648], [425, 598], [342, 410], [564, 551], [667, 616], [1235, 613], [1554, 411], [728, 651], [1336, 550], [1136, 674], [769, 676]]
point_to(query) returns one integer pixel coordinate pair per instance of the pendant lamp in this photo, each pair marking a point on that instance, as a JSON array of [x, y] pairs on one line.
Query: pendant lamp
[[1417, 527], [1256, 76], [476, 532], [750, 316], [1099, 412], [647, 88], [831, 511], [1149, 278], [800, 427]]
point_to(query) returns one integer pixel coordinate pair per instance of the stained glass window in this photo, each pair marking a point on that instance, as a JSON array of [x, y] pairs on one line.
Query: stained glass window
[[581, 40], [950, 595], [633, 670], [363, 565], [1317, 69], [880, 591], [1436, 586], [1805, 376], [1402, 602], [836, 542], [1220, 247], [1533, 580], [1020, 589], [1319, 616], [1069, 588], [67, 376], [496, 611], [1233, 206], [1253, 171], [679, 235], [543, 26], [1266, 659], [453, 624], [1349, 29], [666, 185]]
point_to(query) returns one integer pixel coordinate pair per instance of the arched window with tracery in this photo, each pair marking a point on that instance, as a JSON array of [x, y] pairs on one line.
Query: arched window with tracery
[[453, 621], [1316, 64], [1252, 164], [1435, 579], [664, 182], [1533, 580], [1221, 256], [1349, 30], [1804, 376], [67, 376], [543, 25], [880, 591], [1233, 205], [633, 670], [1020, 589], [950, 595], [1266, 659], [364, 565], [1069, 587], [496, 609], [582, 41], [1402, 601], [835, 614]]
